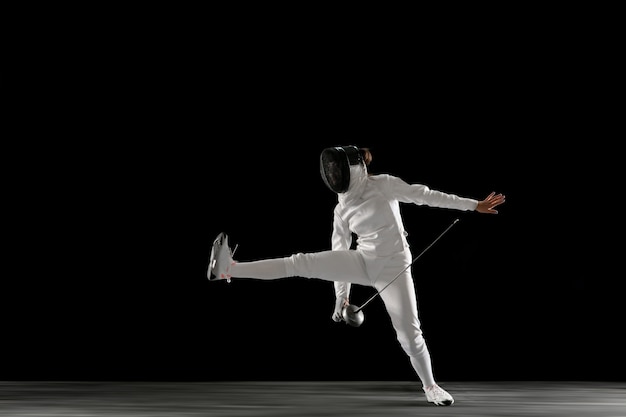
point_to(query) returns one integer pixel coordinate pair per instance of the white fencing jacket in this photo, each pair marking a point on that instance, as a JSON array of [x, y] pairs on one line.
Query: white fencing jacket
[[370, 209]]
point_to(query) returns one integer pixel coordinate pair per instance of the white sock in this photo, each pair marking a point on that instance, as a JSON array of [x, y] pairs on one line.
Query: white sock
[[265, 269]]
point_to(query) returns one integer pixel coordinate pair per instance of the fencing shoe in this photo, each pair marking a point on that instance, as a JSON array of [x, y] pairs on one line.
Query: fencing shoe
[[438, 396], [221, 259]]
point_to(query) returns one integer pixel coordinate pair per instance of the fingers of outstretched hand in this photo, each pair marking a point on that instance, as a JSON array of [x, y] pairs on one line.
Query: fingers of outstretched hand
[[497, 200], [489, 203], [494, 196]]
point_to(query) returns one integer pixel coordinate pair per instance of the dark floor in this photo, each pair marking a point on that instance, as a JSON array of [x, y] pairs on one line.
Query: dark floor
[[309, 398]]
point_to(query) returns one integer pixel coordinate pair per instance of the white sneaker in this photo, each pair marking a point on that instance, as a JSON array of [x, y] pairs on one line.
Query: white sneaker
[[437, 395], [221, 259]]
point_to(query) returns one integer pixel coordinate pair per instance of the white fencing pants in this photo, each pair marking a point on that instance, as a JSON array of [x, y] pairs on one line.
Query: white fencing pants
[[352, 266]]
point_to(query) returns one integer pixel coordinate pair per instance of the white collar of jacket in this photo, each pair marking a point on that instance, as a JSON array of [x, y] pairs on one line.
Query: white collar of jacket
[[358, 179]]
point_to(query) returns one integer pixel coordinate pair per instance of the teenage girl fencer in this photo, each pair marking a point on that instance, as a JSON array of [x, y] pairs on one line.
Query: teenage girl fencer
[[369, 206]]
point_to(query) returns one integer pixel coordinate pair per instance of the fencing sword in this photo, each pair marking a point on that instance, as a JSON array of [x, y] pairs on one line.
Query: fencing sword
[[353, 315]]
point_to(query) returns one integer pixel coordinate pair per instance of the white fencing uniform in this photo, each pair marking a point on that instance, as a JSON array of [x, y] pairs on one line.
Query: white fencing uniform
[[370, 209]]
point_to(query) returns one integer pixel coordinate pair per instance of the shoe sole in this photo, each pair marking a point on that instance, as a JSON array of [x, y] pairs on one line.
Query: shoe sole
[[445, 403], [219, 240]]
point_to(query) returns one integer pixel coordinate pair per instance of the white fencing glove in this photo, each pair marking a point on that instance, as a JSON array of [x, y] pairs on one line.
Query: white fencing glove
[[340, 303]]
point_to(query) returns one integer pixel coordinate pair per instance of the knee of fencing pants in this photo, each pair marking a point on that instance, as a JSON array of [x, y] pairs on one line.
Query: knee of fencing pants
[[412, 342], [346, 266], [298, 266], [310, 265]]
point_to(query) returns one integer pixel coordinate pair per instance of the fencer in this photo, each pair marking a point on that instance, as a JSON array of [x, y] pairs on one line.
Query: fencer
[[367, 210]]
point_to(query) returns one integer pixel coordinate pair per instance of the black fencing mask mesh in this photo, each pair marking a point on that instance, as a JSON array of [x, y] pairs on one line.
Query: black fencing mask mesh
[[335, 165]]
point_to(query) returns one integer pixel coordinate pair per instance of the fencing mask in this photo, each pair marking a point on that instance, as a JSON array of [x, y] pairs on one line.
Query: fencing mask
[[335, 165]]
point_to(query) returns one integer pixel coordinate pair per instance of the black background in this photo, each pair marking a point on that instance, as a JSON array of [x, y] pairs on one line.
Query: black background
[[158, 140]]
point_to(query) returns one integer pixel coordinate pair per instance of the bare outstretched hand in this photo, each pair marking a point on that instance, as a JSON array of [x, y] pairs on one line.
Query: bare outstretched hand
[[489, 204]]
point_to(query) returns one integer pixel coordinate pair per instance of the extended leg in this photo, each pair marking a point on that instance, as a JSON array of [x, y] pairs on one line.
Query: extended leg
[[346, 266]]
